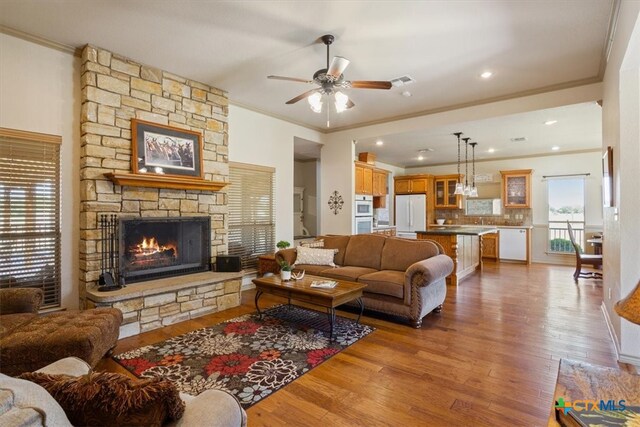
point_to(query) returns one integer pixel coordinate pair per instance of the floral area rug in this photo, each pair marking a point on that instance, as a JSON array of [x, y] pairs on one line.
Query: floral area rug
[[245, 356]]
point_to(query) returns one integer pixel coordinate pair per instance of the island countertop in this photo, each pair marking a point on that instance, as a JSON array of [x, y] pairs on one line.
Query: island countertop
[[466, 231]]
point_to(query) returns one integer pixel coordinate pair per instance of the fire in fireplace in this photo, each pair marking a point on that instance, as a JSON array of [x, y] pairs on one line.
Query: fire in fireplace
[[163, 247]]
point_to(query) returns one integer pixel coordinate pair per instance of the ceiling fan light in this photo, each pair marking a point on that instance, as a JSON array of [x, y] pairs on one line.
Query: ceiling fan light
[[341, 101], [315, 102]]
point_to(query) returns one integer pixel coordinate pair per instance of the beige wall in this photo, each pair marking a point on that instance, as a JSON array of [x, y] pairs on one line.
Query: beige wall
[[621, 121], [258, 139], [40, 92]]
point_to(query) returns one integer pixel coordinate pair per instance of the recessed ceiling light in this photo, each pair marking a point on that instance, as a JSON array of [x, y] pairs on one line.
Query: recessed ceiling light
[[379, 142], [555, 148], [491, 150], [406, 93], [550, 122], [420, 157], [486, 74]]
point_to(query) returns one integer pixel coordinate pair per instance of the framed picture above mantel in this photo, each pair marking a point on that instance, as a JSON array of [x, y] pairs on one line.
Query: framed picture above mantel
[[164, 150]]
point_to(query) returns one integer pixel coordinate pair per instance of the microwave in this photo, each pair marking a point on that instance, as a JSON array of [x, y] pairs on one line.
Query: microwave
[[363, 206]]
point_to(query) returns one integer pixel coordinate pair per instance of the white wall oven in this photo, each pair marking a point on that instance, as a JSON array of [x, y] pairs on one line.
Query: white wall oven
[[363, 225], [364, 206]]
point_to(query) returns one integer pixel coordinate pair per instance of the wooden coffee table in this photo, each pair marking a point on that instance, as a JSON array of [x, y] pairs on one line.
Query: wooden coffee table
[[301, 290]]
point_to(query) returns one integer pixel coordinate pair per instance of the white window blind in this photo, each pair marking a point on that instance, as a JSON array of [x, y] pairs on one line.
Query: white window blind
[[30, 213], [252, 220]]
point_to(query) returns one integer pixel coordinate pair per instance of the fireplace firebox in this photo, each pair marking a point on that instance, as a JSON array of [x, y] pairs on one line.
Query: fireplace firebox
[[163, 247]]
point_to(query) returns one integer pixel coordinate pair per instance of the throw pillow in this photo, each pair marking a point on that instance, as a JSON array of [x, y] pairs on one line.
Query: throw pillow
[[314, 244], [314, 256], [111, 399]]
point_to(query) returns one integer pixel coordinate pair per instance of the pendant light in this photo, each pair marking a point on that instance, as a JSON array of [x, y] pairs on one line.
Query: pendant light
[[474, 189], [459, 187], [467, 190]]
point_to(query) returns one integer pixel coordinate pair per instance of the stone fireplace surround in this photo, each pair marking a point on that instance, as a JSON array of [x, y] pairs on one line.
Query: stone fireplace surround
[[115, 89]]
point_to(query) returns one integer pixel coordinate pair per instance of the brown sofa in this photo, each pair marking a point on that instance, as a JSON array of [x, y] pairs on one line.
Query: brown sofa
[[29, 341], [404, 277]]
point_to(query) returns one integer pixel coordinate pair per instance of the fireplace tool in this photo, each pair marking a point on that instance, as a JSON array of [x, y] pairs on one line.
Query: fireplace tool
[[109, 246]]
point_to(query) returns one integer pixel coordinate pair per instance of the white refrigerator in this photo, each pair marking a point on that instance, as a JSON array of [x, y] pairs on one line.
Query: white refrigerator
[[411, 215]]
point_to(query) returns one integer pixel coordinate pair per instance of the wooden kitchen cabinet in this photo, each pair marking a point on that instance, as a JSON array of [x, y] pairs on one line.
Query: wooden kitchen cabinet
[[516, 188], [445, 186], [491, 246], [411, 184], [379, 183], [371, 181]]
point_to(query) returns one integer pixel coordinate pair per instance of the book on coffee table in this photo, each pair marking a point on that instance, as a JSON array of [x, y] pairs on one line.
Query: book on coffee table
[[324, 284]]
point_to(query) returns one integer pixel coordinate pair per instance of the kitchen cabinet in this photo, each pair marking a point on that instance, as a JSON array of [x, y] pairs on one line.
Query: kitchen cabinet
[[490, 246], [364, 179], [515, 244], [379, 182], [445, 186], [516, 188], [411, 184]]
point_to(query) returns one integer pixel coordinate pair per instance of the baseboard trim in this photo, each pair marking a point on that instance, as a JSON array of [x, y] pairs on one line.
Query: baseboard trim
[[633, 360], [612, 332]]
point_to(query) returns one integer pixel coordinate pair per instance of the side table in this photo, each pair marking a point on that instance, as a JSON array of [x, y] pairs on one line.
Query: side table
[[267, 264]]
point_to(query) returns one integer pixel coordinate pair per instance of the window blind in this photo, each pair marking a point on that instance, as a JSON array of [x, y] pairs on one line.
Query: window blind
[[251, 202], [30, 213]]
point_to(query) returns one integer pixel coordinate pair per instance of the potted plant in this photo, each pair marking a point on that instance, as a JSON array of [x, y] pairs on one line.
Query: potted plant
[[282, 244], [285, 270]]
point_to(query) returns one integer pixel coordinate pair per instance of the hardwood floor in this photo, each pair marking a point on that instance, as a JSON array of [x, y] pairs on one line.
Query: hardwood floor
[[490, 358]]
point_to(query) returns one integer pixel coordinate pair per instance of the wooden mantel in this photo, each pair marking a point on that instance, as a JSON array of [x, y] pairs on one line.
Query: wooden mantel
[[163, 181]]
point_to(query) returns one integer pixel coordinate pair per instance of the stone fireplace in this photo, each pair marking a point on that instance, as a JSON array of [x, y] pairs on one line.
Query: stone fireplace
[[114, 90], [151, 248]]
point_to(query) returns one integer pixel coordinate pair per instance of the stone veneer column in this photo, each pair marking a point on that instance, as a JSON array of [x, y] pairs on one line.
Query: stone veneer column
[[115, 90]]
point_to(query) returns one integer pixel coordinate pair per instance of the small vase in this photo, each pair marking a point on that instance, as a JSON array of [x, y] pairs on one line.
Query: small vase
[[285, 275]]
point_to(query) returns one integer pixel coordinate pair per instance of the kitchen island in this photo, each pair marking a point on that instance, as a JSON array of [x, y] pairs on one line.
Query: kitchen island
[[462, 244]]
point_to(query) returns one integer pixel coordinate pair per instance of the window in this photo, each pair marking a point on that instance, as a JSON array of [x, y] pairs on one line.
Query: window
[[566, 203], [30, 213], [252, 217]]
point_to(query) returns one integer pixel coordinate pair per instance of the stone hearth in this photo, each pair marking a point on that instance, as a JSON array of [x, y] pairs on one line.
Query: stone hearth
[[157, 303]]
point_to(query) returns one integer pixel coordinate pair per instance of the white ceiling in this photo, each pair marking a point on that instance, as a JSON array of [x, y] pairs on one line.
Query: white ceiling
[[578, 127], [443, 45]]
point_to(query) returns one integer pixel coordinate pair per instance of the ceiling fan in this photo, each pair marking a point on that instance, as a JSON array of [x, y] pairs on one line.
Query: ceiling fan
[[331, 80]]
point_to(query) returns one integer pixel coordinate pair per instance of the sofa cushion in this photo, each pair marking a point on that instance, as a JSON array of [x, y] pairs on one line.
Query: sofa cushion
[[348, 273], [109, 399], [337, 242], [315, 256], [398, 254], [314, 270], [364, 250], [27, 404], [385, 282]]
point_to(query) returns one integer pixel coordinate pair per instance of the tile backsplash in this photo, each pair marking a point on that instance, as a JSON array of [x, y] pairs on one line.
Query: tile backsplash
[[511, 216]]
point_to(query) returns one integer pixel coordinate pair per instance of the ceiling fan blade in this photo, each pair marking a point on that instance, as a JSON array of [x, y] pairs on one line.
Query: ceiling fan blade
[[337, 67], [350, 104], [291, 79], [370, 84], [301, 97]]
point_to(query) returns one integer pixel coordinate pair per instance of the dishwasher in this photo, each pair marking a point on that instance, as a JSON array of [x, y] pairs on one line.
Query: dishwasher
[[513, 244]]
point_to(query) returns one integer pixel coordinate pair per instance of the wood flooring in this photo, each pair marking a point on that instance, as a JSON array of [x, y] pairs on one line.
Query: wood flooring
[[490, 358]]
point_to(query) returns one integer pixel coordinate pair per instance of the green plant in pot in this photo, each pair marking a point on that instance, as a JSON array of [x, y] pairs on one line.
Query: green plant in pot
[[283, 244], [285, 270]]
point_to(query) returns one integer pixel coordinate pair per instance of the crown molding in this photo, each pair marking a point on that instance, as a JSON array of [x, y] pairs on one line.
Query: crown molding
[[608, 41], [41, 41]]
